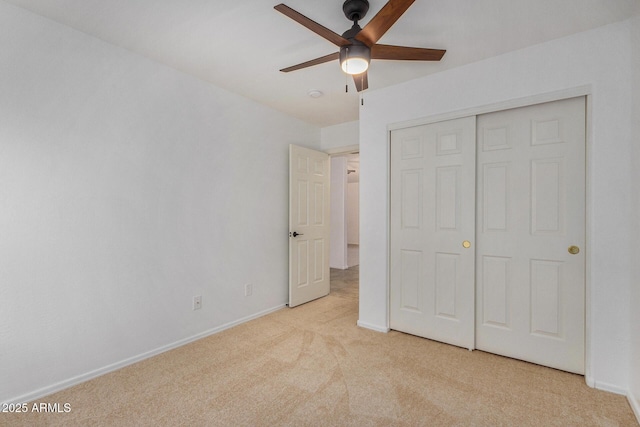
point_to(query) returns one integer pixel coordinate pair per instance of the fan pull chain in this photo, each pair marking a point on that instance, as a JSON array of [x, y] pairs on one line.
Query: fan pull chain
[[346, 76]]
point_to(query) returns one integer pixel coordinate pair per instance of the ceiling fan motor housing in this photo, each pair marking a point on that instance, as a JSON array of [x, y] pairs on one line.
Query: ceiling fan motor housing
[[356, 49], [355, 10]]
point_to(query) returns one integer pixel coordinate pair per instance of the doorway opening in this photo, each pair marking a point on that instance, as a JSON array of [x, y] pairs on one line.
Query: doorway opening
[[345, 211], [344, 253]]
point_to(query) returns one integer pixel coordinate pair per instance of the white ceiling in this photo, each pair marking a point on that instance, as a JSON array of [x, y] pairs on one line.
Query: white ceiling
[[241, 44]]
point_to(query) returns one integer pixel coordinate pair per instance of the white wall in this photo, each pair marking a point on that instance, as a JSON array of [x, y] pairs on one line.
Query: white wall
[[339, 227], [353, 213], [634, 307], [339, 136], [558, 65], [126, 189]]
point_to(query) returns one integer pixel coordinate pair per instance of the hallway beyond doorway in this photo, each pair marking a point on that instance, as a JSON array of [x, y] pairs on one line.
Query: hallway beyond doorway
[[353, 255]]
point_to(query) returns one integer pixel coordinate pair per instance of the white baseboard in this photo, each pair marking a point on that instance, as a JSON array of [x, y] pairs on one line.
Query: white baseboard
[[590, 381], [610, 388], [635, 405], [45, 391], [372, 327]]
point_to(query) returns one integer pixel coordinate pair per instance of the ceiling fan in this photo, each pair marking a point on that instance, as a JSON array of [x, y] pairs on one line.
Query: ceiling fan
[[358, 46]]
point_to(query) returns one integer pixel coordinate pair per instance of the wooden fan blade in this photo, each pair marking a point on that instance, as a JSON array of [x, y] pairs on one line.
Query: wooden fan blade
[[361, 81], [313, 62], [383, 20], [403, 53], [324, 32]]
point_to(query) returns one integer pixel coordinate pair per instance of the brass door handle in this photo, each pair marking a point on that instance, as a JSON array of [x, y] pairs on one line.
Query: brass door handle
[[466, 244], [573, 250]]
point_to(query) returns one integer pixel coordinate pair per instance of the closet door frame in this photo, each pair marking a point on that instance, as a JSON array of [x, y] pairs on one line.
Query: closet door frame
[[586, 91]]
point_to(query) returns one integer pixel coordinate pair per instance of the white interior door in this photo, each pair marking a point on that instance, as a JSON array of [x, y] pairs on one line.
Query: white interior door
[[432, 231], [309, 226], [530, 211]]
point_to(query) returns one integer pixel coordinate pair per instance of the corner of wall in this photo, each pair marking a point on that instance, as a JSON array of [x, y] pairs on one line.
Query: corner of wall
[[635, 405], [634, 301], [372, 327]]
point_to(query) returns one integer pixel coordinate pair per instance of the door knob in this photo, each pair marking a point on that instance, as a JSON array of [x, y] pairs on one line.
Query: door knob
[[466, 244], [296, 234], [573, 250]]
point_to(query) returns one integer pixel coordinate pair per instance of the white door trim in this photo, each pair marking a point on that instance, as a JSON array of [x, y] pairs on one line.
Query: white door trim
[[584, 90], [337, 151]]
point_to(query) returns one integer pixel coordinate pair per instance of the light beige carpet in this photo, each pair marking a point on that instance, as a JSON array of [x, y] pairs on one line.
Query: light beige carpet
[[312, 366]]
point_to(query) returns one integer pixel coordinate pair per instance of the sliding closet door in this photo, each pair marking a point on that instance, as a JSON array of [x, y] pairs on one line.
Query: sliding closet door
[[432, 231], [530, 262]]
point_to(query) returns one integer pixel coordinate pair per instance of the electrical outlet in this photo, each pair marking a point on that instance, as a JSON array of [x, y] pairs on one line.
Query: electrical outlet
[[197, 302], [248, 290]]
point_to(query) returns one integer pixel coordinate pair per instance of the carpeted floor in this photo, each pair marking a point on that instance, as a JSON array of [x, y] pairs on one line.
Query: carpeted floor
[[312, 366]]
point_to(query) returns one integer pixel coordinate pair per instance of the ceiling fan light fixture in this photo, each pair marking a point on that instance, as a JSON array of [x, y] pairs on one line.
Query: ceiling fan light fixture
[[354, 59]]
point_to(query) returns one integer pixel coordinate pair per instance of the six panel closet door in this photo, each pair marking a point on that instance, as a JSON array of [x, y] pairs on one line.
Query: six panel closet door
[[520, 176]]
